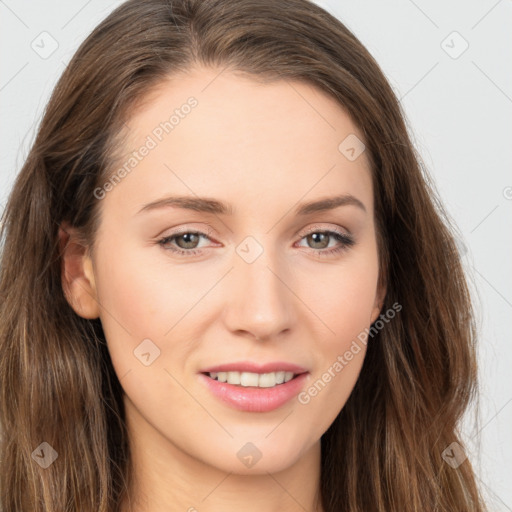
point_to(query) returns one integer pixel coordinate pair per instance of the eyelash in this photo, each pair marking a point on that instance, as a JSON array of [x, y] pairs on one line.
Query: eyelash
[[345, 240]]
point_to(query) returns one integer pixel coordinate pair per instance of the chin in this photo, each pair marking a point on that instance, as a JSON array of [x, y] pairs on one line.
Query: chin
[[257, 455]]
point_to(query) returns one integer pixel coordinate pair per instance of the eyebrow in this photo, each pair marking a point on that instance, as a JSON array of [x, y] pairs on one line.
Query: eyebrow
[[210, 205]]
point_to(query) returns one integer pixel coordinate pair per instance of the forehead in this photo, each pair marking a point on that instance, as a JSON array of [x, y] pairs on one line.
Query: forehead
[[213, 132]]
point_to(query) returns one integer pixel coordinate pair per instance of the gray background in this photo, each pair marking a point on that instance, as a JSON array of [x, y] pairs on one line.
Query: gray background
[[458, 104]]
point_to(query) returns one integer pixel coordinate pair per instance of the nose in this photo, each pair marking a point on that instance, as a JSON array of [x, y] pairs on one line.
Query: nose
[[261, 303]]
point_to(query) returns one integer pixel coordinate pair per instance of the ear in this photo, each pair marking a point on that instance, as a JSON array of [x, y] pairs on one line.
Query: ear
[[77, 273], [379, 301]]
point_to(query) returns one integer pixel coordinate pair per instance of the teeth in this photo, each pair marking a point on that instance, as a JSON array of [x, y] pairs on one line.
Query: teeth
[[280, 377], [249, 379], [261, 380], [233, 378]]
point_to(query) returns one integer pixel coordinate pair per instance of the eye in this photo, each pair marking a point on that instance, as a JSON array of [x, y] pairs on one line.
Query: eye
[[186, 243], [320, 239]]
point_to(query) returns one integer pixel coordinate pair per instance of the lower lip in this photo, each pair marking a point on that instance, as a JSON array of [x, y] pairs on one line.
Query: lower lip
[[253, 399]]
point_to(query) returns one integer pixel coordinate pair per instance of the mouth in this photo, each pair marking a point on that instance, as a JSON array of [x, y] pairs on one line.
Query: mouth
[[255, 388], [251, 379]]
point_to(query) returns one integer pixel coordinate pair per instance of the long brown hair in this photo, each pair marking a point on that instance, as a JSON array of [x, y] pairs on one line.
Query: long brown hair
[[57, 384]]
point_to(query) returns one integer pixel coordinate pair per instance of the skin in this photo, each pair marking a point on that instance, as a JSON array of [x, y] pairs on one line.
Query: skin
[[265, 149]]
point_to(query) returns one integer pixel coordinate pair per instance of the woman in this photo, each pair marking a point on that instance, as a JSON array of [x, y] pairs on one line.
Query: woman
[[226, 280]]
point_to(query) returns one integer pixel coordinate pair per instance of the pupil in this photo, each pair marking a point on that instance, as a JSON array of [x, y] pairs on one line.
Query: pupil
[[314, 237], [187, 237]]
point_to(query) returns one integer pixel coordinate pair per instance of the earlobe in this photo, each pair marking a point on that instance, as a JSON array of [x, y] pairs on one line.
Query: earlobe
[[77, 274]]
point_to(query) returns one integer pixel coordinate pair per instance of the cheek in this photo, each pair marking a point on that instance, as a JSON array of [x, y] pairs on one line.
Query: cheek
[[339, 355], [132, 290], [146, 289], [143, 297], [129, 297], [344, 306], [343, 298]]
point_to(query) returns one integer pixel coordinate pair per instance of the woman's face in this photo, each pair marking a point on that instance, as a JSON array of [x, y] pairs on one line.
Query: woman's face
[[243, 272]]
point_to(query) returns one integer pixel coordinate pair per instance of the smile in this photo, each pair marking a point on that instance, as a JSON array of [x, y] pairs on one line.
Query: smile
[[246, 379], [254, 392]]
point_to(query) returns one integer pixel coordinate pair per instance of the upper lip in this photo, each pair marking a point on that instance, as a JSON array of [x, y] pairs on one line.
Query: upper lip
[[249, 366]]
